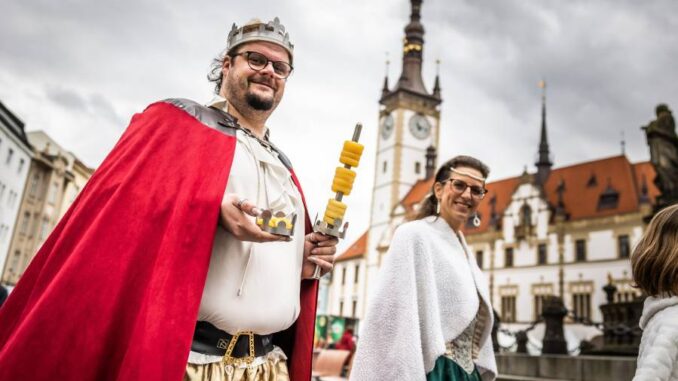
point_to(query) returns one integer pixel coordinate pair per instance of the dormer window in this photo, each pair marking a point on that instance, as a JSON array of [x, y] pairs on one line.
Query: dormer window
[[524, 227], [593, 181], [609, 199]]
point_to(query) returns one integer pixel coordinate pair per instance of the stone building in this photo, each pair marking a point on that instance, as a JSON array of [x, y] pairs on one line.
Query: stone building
[[347, 282], [55, 177], [15, 157]]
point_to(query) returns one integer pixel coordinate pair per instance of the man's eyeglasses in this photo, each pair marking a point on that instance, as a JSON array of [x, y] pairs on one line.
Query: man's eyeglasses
[[459, 186], [258, 61]]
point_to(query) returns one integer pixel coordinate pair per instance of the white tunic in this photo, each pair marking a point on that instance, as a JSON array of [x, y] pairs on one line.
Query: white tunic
[[271, 281]]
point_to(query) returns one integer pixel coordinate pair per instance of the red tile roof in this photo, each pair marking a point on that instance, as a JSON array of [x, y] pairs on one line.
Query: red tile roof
[[356, 250], [581, 199], [645, 175], [417, 193], [584, 183]]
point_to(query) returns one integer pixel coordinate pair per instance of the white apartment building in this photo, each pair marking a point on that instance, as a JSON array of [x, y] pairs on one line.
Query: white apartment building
[[15, 159]]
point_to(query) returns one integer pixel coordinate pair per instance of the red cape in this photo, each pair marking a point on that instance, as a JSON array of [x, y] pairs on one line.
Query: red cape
[[113, 294]]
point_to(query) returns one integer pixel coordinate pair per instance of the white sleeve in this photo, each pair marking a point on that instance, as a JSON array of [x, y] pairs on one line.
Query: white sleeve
[[658, 350]]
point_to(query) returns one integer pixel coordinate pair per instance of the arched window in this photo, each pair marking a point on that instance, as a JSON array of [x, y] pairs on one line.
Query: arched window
[[526, 215]]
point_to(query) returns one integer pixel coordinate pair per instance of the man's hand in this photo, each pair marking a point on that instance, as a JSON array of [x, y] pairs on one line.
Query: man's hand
[[234, 218], [319, 249]]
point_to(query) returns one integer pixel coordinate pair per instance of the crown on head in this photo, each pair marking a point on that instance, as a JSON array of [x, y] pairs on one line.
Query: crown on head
[[257, 30]]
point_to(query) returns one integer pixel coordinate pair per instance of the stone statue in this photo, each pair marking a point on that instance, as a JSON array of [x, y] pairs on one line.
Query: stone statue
[[663, 143]]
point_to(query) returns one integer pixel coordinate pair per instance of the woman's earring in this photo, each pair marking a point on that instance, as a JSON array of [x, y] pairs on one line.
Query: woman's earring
[[476, 220], [437, 207]]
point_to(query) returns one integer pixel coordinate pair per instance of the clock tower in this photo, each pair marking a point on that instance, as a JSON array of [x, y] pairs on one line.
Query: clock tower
[[409, 120]]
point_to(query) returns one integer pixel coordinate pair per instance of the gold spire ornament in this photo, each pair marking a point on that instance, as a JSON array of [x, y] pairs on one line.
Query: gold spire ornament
[[542, 86]]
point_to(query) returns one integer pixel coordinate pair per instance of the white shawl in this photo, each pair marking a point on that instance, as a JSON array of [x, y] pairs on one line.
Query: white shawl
[[424, 298]]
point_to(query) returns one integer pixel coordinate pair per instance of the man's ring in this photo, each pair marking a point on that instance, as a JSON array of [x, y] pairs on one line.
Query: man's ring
[[240, 202]]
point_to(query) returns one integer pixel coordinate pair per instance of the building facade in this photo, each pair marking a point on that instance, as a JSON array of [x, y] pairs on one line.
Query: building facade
[[78, 172], [15, 158], [347, 282], [55, 177], [567, 238]]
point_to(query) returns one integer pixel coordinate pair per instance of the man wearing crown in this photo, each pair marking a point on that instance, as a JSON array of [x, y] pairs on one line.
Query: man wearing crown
[[158, 271]]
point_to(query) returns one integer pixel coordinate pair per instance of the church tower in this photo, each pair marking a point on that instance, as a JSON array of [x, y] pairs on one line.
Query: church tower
[[409, 120]]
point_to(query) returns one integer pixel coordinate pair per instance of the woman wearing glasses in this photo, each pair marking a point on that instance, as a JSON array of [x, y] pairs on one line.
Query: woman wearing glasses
[[430, 315]]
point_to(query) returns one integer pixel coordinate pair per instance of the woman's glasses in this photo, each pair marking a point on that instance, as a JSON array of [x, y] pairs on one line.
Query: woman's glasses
[[459, 186]]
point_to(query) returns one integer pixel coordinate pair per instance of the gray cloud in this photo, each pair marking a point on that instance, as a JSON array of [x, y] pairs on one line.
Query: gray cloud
[[67, 99], [74, 102], [103, 107]]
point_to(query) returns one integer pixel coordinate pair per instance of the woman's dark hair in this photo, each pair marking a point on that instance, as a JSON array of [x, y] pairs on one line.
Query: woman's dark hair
[[429, 205]]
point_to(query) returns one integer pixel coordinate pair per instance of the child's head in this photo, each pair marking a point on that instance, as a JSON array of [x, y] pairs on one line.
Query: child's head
[[655, 258]]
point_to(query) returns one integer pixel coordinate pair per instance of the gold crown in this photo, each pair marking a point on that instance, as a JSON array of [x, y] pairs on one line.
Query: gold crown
[[257, 30], [277, 223]]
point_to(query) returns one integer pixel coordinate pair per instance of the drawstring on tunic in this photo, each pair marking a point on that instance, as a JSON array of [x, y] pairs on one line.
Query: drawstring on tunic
[[260, 178]]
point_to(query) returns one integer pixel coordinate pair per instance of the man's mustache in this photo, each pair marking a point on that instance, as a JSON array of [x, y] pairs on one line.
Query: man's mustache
[[264, 80]]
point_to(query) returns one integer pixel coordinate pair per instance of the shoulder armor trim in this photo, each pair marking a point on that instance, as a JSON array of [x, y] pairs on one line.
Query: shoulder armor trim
[[206, 115], [218, 120]]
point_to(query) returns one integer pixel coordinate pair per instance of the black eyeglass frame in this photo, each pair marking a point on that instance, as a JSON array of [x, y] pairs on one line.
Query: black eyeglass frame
[[247, 54], [480, 192]]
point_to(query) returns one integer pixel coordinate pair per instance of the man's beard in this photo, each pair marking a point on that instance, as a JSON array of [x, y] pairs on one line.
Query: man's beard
[[258, 103]]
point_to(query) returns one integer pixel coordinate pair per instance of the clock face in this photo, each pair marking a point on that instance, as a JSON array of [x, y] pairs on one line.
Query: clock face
[[387, 125], [420, 126]]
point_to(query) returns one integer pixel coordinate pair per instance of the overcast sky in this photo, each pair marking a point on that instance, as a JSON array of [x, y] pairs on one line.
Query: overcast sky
[[80, 69]]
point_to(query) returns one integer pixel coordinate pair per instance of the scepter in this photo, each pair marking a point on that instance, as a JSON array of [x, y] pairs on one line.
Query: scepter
[[332, 221]]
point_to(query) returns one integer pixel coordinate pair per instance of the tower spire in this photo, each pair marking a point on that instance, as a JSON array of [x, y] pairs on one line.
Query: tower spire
[[384, 90], [413, 44], [436, 84], [623, 143], [543, 163]]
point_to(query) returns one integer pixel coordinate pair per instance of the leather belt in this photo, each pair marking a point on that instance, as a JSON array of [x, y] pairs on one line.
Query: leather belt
[[240, 348]]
